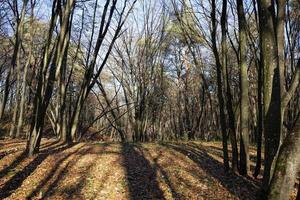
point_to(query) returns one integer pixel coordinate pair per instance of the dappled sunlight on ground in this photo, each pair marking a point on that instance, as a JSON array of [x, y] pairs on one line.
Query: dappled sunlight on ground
[[119, 171]]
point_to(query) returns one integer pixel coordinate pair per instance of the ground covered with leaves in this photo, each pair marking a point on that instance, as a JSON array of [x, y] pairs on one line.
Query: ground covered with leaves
[[191, 170]]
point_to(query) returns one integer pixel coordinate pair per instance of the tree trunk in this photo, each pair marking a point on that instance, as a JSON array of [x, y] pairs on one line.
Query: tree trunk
[[15, 56], [12, 131], [219, 84], [287, 166], [23, 93], [298, 194], [244, 105], [271, 87], [228, 96], [259, 122], [45, 87]]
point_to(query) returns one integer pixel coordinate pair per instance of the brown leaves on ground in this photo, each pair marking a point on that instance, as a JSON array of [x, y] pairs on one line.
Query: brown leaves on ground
[[119, 171]]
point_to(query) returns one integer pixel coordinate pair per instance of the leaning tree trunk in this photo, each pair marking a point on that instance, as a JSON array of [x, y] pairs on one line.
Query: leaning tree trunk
[[43, 97], [287, 166]]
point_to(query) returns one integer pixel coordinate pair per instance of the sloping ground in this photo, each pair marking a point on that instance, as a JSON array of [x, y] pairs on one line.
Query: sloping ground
[[119, 171]]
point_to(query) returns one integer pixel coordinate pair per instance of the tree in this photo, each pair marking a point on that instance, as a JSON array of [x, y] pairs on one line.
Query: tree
[[287, 166], [227, 87], [244, 105], [219, 83], [90, 78], [18, 34], [46, 84], [271, 87]]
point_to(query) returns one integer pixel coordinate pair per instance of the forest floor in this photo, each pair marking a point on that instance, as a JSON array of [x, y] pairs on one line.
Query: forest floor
[[172, 170]]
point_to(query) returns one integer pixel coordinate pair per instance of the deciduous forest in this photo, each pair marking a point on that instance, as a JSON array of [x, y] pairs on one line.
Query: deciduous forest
[[150, 99]]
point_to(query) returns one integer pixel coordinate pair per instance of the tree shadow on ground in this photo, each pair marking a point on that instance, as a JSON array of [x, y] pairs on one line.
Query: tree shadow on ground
[[15, 146], [220, 150], [235, 184], [51, 174], [17, 179], [71, 191], [157, 167], [13, 165], [141, 176], [11, 147]]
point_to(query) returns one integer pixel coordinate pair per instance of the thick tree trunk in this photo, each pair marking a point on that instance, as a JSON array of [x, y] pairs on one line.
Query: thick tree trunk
[[271, 88], [287, 166], [35, 136], [22, 100], [25, 73], [12, 132], [244, 105]]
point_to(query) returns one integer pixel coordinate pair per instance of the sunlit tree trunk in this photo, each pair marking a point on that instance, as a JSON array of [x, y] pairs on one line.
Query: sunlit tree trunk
[[12, 132], [287, 166], [43, 96], [244, 104], [20, 28], [271, 87]]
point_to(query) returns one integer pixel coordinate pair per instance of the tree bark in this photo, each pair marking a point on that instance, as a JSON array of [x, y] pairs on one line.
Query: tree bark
[[287, 166], [228, 96], [45, 87], [244, 105], [219, 84], [271, 87], [259, 122], [298, 194], [16, 52]]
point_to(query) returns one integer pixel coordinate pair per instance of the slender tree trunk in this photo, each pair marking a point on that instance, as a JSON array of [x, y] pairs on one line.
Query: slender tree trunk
[[220, 90], [45, 87], [18, 70], [280, 20], [6, 93], [228, 96], [62, 112], [259, 122], [15, 56], [119, 125], [244, 105], [90, 77], [298, 194]]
